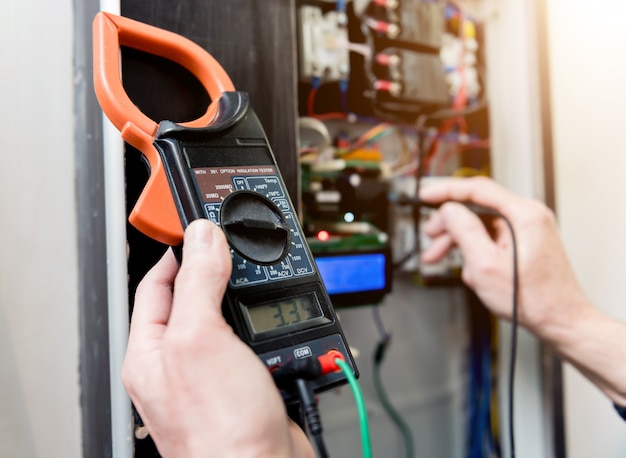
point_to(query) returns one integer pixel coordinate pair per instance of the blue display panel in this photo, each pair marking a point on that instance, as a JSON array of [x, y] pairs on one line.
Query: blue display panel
[[353, 273]]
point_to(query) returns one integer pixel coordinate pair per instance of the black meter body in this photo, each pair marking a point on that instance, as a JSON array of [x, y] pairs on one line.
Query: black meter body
[[275, 301]]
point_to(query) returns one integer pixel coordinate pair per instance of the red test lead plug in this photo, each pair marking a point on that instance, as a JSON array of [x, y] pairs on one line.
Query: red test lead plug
[[328, 361], [307, 369]]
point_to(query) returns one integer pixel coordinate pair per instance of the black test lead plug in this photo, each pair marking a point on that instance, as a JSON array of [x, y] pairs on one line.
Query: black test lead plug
[[297, 374]]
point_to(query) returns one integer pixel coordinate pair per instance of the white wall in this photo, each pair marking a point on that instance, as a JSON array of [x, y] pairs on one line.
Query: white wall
[[39, 373], [587, 44]]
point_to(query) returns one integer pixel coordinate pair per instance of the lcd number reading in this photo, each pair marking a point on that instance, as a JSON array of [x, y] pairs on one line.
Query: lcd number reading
[[286, 312]]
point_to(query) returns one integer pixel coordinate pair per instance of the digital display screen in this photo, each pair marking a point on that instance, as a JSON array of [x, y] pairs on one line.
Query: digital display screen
[[353, 273], [283, 313]]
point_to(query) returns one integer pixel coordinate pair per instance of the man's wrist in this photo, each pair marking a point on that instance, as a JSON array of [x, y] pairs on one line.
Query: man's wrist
[[563, 329]]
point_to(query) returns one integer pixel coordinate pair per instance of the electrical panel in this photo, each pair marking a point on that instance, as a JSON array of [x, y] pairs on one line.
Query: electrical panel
[[390, 95]]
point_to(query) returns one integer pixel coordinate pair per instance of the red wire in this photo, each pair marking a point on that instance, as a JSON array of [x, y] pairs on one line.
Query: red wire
[[333, 115], [325, 116], [475, 144], [459, 102]]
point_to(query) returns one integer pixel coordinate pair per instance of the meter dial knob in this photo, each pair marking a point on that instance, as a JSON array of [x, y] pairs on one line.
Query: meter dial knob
[[255, 227]]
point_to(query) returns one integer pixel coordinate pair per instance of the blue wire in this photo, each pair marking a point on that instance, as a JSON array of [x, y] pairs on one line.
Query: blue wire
[[480, 441], [480, 426], [472, 405], [316, 82], [486, 393], [343, 89]]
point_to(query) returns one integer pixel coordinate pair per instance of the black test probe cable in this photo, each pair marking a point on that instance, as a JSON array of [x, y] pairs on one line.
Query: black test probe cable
[[490, 213], [296, 375]]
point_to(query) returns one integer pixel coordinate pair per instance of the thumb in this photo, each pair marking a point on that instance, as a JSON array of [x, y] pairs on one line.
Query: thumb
[[202, 278], [466, 230]]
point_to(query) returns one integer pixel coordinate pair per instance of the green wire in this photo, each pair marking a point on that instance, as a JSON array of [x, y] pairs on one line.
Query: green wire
[[360, 405]]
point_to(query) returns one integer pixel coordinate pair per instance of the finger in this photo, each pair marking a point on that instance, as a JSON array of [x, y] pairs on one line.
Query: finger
[[434, 226], [153, 297], [153, 303], [467, 230], [502, 232], [478, 190], [301, 444], [437, 249], [203, 276]]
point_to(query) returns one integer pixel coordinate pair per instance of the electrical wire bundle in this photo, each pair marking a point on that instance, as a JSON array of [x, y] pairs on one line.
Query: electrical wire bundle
[[482, 428]]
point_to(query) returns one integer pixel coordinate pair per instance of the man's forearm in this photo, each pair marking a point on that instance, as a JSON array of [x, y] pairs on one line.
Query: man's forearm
[[595, 344]]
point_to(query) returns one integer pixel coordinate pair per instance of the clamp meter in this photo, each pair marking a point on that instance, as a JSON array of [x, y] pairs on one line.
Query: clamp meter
[[221, 167]]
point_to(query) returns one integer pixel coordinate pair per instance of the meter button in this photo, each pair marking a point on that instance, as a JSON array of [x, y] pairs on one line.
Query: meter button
[[255, 228], [212, 212], [240, 183], [282, 204]]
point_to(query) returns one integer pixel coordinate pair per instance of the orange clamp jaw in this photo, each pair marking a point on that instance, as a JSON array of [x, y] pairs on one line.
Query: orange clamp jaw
[[155, 212]]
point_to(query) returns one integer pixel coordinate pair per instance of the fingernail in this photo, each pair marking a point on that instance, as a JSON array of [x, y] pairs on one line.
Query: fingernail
[[199, 231]]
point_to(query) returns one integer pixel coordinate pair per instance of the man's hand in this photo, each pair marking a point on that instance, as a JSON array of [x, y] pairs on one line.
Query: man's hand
[[199, 389], [552, 304], [488, 262]]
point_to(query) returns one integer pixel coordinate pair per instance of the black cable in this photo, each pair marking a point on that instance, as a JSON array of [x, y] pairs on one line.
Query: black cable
[[311, 413], [491, 213], [513, 335], [297, 374], [321, 446], [420, 172]]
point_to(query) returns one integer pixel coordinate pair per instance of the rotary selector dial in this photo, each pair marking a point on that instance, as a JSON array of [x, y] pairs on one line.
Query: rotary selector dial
[[255, 227]]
